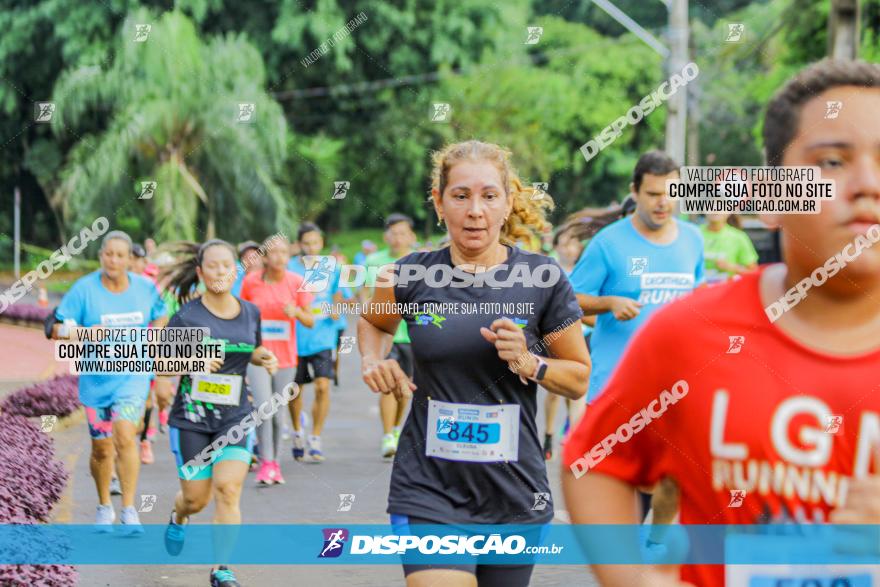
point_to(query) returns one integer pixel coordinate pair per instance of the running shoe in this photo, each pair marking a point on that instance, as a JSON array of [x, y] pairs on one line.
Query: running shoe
[[315, 449], [396, 432], [163, 420], [264, 475], [104, 517], [115, 487], [131, 522], [299, 446], [223, 577], [279, 478], [389, 445], [174, 535], [147, 457], [548, 447]]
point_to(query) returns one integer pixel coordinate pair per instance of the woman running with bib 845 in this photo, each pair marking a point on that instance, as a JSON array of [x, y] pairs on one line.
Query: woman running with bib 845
[[484, 464]]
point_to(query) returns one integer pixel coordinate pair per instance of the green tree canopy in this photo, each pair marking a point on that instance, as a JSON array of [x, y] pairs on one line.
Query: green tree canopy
[[171, 108]]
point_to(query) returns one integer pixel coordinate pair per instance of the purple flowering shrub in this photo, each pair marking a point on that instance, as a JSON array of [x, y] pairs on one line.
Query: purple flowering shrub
[[26, 313], [57, 396], [31, 482]]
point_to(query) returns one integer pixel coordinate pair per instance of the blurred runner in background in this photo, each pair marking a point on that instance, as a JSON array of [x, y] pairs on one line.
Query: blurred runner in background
[[400, 238], [113, 296], [315, 343], [729, 251], [276, 292]]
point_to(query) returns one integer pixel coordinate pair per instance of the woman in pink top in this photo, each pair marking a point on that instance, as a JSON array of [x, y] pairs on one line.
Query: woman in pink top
[[276, 292]]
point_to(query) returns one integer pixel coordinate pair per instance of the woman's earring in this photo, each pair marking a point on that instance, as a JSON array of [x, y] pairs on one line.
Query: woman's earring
[[440, 221]]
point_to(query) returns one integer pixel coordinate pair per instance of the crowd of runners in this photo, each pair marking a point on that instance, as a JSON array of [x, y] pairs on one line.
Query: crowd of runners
[[646, 301]]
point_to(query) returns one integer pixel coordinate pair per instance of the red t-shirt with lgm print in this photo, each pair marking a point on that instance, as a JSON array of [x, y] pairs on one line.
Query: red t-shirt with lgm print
[[759, 413]]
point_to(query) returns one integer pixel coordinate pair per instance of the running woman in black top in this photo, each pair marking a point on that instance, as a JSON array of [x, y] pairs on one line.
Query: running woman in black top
[[213, 408], [469, 452]]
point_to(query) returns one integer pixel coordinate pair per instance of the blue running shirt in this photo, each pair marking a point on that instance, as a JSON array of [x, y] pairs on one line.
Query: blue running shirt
[[621, 262], [322, 335], [89, 303]]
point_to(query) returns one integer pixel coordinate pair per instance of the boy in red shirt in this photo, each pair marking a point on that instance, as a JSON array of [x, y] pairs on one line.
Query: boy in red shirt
[[721, 396]]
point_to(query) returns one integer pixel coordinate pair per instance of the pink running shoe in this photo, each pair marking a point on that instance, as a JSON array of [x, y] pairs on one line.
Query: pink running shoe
[[147, 452], [264, 475], [279, 478]]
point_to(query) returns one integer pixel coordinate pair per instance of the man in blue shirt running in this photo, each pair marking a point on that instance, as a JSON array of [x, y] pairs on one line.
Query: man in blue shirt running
[[315, 345], [635, 265]]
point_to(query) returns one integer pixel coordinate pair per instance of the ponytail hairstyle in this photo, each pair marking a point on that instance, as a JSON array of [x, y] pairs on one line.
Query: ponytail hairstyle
[[183, 277], [585, 223], [527, 220]]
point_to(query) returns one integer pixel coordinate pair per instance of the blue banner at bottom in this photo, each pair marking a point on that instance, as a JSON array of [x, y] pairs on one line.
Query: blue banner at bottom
[[297, 544]]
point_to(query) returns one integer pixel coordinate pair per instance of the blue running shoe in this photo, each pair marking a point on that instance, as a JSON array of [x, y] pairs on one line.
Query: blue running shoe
[[315, 452], [174, 536], [223, 577], [299, 446]]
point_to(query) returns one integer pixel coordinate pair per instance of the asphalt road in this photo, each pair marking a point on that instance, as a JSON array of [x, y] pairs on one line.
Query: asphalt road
[[354, 465]]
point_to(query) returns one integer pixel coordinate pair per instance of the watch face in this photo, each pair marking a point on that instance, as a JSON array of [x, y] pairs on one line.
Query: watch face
[[542, 369]]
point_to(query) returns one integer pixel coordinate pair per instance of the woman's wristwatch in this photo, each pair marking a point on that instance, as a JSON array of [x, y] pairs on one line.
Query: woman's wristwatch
[[540, 370]]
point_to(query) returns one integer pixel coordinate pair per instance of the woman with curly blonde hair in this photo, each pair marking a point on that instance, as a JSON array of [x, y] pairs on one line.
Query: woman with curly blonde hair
[[469, 452]]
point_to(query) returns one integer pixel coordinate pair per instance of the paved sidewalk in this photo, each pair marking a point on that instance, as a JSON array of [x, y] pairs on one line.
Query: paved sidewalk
[[26, 357]]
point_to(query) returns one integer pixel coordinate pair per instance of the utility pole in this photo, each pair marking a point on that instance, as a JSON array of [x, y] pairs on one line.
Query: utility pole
[[676, 107], [676, 57], [693, 124], [693, 118], [843, 29], [16, 229]]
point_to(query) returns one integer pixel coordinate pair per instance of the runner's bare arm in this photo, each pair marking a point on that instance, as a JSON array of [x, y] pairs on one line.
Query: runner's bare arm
[[567, 374], [338, 301], [375, 335], [71, 331], [597, 498], [623, 308], [592, 305], [263, 357], [164, 389], [568, 369], [382, 298], [301, 314], [734, 267]]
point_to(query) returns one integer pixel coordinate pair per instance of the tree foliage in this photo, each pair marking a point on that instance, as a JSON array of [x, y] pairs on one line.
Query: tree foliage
[[171, 106], [164, 110]]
